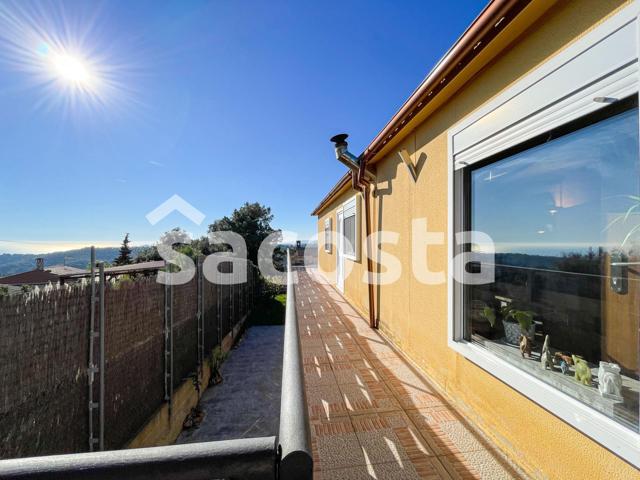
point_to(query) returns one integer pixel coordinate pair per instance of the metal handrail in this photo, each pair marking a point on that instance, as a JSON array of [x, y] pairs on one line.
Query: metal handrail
[[253, 458], [287, 457], [296, 460]]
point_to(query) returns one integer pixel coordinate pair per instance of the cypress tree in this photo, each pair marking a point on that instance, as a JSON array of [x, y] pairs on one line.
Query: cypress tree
[[124, 257]]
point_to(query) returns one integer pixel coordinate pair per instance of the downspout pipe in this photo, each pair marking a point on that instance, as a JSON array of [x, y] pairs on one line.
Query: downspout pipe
[[361, 181], [367, 209]]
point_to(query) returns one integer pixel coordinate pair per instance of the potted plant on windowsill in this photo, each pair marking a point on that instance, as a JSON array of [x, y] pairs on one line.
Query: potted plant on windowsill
[[515, 322]]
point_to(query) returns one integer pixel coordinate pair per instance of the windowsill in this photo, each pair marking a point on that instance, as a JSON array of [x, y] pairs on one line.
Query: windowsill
[[351, 257], [567, 384], [609, 433]]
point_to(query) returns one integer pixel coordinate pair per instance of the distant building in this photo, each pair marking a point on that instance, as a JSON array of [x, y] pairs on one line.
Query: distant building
[[62, 270], [65, 274], [40, 275]]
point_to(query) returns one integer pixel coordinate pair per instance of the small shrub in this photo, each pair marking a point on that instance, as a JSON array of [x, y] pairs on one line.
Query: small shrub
[[217, 359]]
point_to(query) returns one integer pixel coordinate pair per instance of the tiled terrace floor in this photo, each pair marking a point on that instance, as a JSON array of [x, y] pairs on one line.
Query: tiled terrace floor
[[372, 415]]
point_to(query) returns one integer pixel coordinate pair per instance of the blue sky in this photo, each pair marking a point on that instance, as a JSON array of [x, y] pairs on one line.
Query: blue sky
[[219, 102]]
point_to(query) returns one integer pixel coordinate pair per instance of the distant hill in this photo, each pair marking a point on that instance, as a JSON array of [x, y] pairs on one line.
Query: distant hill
[[11, 263], [526, 260]]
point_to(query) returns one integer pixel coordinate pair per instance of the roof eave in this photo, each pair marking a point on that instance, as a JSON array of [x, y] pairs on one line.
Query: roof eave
[[497, 25], [337, 188], [495, 19]]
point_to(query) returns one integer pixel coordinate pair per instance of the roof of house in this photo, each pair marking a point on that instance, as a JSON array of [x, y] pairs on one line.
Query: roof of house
[[494, 19], [64, 269], [33, 277]]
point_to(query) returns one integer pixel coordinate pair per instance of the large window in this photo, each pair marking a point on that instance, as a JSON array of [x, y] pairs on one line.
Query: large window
[[564, 215]]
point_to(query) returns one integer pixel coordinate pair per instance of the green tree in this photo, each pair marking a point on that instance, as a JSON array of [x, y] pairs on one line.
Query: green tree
[[252, 221], [124, 257], [201, 246], [179, 240], [147, 254]]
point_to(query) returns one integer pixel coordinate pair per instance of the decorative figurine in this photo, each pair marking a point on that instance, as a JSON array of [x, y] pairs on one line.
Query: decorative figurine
[[525, 346], [583, 372], [610, 381], [564, 367], [545, 357], [559, 357]]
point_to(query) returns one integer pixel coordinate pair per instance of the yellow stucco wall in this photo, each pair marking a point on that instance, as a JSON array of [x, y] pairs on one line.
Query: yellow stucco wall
[[414, 315]]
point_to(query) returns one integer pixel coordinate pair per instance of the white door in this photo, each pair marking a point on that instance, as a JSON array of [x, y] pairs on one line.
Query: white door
[[340, 252]]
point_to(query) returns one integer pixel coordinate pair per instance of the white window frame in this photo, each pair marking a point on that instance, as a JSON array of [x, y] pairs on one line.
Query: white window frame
[[327, 227], [523, 111], [353, 202]]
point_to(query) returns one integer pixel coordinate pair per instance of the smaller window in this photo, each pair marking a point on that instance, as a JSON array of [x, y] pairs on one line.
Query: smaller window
[[350, 229], [327, 235]]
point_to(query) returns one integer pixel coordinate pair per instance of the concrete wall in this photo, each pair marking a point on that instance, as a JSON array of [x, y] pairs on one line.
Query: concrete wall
[[414, 316]]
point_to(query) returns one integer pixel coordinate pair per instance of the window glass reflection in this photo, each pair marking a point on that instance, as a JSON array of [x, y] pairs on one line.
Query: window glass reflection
[[565, 219]]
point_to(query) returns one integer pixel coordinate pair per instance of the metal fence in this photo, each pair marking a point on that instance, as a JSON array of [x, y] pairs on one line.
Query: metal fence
[[286, 457]]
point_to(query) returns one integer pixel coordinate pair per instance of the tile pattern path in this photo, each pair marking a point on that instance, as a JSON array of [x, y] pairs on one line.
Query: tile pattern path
[[372, 415]]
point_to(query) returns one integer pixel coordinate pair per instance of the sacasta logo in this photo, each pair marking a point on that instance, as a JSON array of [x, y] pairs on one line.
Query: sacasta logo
[[175, 204]]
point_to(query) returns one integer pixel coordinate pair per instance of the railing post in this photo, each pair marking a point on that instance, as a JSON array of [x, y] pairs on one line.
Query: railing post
[[296, 461], [168, 339], [200, 314], [102, 356], [91, 367], [99, 365], [232, 296], [219, 308]]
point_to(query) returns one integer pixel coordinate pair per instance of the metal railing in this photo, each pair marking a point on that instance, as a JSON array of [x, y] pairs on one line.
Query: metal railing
[[285, 457], [295, 435]]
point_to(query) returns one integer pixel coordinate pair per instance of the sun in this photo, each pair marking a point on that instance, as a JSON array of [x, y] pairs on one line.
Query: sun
[[71, 70], [71, 76]]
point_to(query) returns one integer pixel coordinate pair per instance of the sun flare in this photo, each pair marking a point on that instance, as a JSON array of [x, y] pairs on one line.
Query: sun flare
[[71, 69], [64, 57], [75, 74]]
